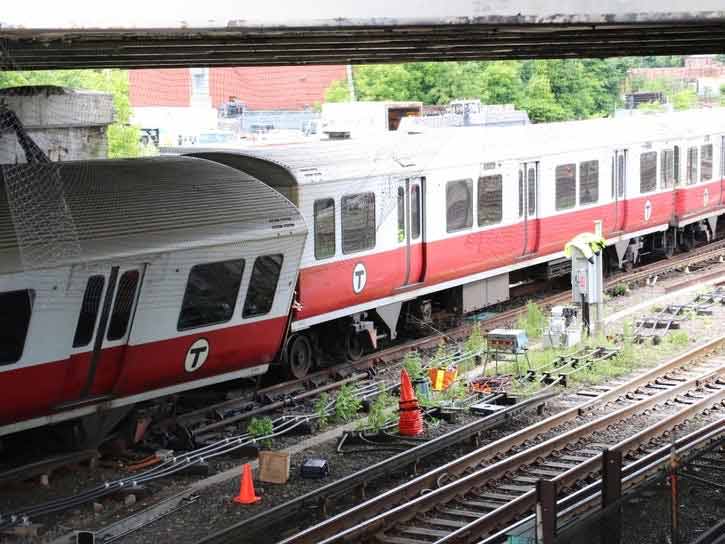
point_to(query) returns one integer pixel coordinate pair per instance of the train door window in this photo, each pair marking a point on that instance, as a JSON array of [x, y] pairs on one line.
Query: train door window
[[262, 285], [14, 322], [401, 214], [676, 160], [122, 306], [324, 210], [648, 172], [565, 186], [415, 212], [667, 168], [459, 205], [588, 182], [692, 166], [531, 186], [358, 222], [706, 162], [211, 293], [89, 311], [490, 200], [621, 174], [521, 193]]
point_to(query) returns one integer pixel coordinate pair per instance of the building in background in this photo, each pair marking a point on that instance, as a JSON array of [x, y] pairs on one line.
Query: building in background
[[703, 73], [184, 102]]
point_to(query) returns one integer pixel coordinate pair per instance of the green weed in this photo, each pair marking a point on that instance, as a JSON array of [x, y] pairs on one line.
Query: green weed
[[346, 404]]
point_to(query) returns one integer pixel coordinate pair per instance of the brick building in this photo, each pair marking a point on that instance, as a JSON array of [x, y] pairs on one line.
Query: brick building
[[184, 100]]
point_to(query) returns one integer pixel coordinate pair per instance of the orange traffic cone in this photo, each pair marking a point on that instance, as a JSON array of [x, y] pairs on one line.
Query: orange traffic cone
[[246, 488], [410, 422]]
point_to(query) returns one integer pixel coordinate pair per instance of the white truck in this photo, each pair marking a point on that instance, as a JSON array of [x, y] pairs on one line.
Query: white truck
[[355, 119]]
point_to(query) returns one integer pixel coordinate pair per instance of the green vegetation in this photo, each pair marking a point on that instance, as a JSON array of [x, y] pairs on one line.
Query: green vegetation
[[678, 338], [549, 90], [320, 408], [259, 427], [475, 342], [534, 321], [123, 139], [378, 416], [413, 365], [346, 404]]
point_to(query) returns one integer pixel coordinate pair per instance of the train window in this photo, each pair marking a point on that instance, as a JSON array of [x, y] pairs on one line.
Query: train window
[[565, 186], [459, 205], [692, 166], [211, 293], [122, 306], [588, 182], [324, 228], [648, 172], [14, 321], [706, 162], [667, 168], [262, 285], [415, 212], [677, 165], [89, 311], [401, 214], [532, 191], [358, 222], [521, 193], [490, 200]]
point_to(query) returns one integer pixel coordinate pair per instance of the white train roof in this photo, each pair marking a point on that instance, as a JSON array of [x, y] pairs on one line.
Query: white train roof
[[130, 207], [395, 153]]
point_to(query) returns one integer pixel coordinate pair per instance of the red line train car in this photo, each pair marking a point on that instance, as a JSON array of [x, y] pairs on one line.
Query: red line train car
[[452, 217], [184, 278]]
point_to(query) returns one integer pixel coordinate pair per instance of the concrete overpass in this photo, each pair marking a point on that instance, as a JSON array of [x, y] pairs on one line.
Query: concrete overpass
[[165, 33]]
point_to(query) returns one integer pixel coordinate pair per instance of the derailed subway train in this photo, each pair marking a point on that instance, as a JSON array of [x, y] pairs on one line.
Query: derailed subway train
[[204, 268]]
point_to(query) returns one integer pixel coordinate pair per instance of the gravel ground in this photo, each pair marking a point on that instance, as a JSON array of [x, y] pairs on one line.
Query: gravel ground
[[215, 510]]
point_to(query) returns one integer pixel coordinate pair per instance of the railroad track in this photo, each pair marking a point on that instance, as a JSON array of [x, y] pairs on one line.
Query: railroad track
[[429, 507], [204, 423]]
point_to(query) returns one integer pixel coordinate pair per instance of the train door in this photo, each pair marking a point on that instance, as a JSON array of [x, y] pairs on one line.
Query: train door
[[410, 228], [528, 205], [110, 294], [619, 184]]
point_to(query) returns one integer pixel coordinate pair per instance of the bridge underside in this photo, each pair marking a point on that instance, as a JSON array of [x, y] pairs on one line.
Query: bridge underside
[[373, 41]]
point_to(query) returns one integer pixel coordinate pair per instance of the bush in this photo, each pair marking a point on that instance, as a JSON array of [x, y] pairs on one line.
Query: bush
[[377, 416], [320, 407], [475, 341], [533, 321], [678, 338], [260, 427], [346, 404], [413, 365]]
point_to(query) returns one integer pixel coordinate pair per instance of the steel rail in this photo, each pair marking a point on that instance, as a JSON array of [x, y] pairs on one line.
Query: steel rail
[[634, 474], [284, 511], [522, 504], [408, 492]]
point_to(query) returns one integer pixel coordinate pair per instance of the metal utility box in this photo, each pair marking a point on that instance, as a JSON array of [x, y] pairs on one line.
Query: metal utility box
[[510, 340], [586, 278], [482, 293]]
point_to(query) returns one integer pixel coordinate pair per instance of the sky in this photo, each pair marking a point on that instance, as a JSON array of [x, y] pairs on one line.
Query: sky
[[217, 13]]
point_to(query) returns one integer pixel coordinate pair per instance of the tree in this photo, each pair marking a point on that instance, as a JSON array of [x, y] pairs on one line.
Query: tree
[[540, 102], [684, 99], [123, 139]]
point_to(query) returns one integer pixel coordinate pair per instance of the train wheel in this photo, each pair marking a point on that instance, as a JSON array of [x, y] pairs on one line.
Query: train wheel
[[354, 347], [299, 356]]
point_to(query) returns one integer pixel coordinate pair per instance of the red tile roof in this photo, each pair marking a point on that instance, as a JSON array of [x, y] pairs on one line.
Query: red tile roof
[[260, 88]]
